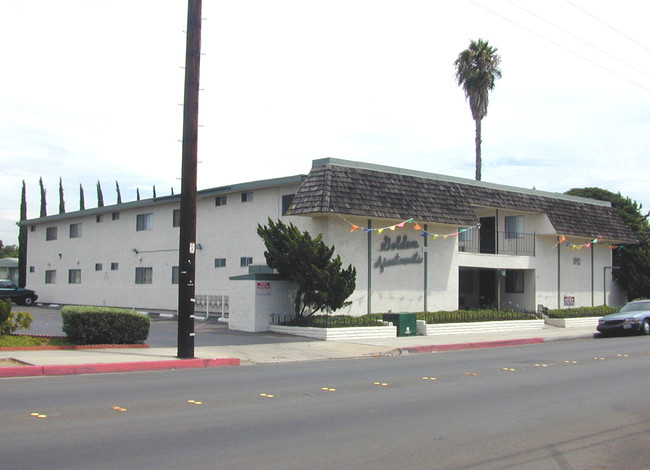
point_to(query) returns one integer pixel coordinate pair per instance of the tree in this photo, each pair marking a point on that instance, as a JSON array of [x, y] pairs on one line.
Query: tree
[[100, 195], [477, 67], [61, 200], [322, 284], [633, 260], [137, 193], [22, 240], [82, 201], [43, 198], [119, 194]]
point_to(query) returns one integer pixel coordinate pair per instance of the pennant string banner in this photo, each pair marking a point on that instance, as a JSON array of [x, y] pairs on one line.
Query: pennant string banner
[[561, 239], [416, 226]]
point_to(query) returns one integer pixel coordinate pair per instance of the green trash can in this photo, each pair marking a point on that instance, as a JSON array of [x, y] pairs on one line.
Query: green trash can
[[405, 322]]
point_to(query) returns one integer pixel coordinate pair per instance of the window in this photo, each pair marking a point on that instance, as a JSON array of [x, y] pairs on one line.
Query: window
[[220, 201], [246, 261], [50, 233], [75, 230], [220, 262], [32, 228], [514, 226], [99, 218], [50, 276], [176, 218], [98, 266], [514, 281], [287, 199], [32, 269], [115, 266], [175, 273], [115, 216], [144, 222], [74, 276], [246, 197], [143, 275]]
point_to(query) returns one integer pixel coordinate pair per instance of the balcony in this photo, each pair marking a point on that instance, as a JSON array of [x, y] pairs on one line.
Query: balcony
[[476, 240]]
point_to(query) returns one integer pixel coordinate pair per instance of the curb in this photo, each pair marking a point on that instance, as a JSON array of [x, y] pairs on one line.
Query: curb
[[462, 346], [103, 368]]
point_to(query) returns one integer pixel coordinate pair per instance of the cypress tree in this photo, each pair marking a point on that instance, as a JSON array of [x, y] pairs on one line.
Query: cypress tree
[[154, 190], [137, 193], [100, 195], [61, 200], [22, 241], [43, 198], [119, 194], [82, 202]]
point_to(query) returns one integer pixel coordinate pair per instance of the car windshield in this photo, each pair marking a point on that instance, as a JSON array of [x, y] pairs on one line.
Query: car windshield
[[635, 307]]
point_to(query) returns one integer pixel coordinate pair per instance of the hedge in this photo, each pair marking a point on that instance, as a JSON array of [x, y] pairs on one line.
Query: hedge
[[581, 312], [104, 325], [465, 316]]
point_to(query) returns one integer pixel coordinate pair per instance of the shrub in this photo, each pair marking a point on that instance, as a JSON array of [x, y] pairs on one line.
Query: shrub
[[336, 321], [464, 316], [104, 325], [12, 321], [580, 312]]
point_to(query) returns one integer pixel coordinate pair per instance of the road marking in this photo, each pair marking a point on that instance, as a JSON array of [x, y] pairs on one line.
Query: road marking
[[428, 378], [119, 408], [266, 395], [471, 373], [507, 369], [38, 415], [327, 389]]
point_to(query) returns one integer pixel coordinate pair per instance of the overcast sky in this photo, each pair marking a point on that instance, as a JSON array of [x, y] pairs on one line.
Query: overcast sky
[[92, 90]]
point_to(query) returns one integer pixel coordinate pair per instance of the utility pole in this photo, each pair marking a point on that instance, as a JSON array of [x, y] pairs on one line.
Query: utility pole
[[187, 243]]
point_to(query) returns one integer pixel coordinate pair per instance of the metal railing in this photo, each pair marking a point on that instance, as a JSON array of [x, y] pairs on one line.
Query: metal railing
[[475, 240]]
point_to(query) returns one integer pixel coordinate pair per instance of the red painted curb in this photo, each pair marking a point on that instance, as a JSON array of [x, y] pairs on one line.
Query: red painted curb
[[478, 345], [75, 369]]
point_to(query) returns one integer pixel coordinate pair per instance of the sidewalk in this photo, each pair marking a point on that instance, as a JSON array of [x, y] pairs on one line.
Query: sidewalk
[[83, 361]]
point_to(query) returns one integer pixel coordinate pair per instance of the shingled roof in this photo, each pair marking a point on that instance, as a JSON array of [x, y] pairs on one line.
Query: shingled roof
[[350, 188]]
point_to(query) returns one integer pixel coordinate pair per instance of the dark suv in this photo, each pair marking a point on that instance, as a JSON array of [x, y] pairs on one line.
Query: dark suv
[[9, 290]]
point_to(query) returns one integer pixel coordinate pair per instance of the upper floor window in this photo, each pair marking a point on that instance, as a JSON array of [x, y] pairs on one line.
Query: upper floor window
[[115, 216], [514, 226], [50, 276], [99, 218], [220, 200], [50, 233], [144, 222], [220, 262], [175, 273], [75, 230], [287, 199], [74, 276], [246, 197], [176, 218], [246, 261], [143, 275], [98, 266], [115, 266], [32, 228]]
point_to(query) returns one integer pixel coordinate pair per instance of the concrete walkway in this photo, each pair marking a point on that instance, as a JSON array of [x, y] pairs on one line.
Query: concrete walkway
[[81, 361]]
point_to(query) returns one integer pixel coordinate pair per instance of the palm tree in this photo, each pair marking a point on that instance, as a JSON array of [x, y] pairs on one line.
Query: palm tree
[[477, 67]]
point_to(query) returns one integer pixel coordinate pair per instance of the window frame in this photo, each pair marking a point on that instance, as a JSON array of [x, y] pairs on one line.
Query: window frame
[[516, 222], [74, 276], [51, 233], [76, 230], [144, 222], [50, 276], [144, 275]]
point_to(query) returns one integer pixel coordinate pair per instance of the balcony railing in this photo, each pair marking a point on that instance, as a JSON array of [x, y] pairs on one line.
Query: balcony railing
[[475, 240]]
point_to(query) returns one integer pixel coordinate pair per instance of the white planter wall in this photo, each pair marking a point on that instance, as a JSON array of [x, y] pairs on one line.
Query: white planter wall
[[573, 322], [482, 327], [329, 334]]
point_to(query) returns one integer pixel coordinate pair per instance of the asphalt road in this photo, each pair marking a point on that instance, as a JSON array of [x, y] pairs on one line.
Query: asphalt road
[[163, 331], [564, 405]]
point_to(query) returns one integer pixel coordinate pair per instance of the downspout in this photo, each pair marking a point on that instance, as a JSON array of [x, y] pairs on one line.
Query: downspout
[[426, 267], [559, 268], [369, 266], [592, 274]]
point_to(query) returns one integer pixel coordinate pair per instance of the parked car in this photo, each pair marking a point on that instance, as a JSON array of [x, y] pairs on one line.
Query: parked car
[[633, 317], [9, 290]]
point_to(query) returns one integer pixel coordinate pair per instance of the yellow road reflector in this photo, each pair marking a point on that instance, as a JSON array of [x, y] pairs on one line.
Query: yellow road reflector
[[34, 414], [42, 416], [471, 373], [376, 383], [428, 378]]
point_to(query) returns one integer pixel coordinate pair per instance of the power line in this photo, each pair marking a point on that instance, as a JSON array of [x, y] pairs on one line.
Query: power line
[[561, 46], [608, 25], [578, 38]]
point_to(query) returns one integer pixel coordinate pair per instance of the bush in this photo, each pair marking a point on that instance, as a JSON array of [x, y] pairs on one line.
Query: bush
[[336, 321], [12, 321], [580, 312], [104, 325], [464, 316]]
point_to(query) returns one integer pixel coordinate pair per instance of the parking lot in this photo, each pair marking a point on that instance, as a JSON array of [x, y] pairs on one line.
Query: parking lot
[[163, 331]]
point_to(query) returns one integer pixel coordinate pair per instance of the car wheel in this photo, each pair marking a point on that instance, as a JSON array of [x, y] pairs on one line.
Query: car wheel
[[28, 301], [645, 328]]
